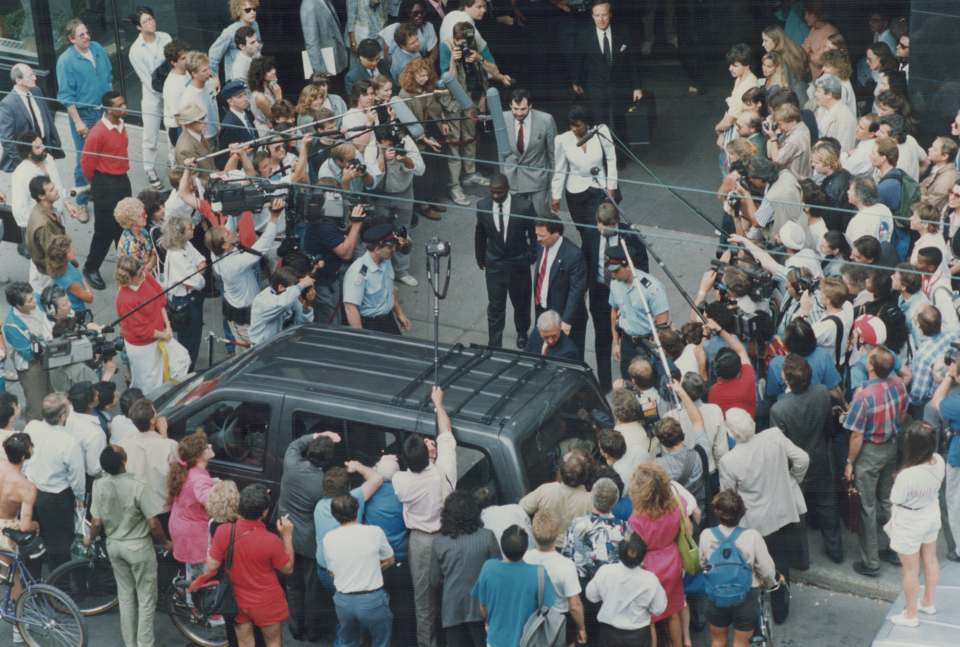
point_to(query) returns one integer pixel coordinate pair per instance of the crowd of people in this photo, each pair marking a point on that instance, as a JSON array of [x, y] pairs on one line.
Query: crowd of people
[[823, 348]]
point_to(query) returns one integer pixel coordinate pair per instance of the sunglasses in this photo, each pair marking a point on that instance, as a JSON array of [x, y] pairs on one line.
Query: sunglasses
[[249, 9], [954, 194]]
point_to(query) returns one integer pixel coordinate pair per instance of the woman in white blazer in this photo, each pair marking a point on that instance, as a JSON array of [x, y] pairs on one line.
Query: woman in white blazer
[[574, 166], [766, 470]]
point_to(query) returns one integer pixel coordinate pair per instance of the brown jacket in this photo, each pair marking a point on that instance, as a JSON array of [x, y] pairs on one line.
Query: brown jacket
[[188, 146], [935, 187], [41, 228]]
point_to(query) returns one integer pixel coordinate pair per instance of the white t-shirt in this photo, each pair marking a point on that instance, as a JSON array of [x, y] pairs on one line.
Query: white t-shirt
[[911, 154], [628, 462], [826, 332], [89, 56], [173, 87], [354, 554], [687, 362], [562, 572], [876, 221], [916, 488]]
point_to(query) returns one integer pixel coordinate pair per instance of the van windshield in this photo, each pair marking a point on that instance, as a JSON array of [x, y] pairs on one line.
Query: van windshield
[[572, 426]]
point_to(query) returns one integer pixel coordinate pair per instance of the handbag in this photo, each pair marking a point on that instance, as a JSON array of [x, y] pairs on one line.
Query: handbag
[[546, 626], [179, 316], [689, 551], [212, 592], [848, 500]]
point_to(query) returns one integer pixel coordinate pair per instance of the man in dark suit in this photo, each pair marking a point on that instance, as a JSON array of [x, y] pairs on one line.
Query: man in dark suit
[[237, 125], [547, 338], [505, 249], [606, 69], [560, 279], [369, 66], [25, 108], [595, 243]]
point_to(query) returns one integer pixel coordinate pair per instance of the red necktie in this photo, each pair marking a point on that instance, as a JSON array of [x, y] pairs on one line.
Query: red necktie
[[545, 348], [520, 139], [541, 275]]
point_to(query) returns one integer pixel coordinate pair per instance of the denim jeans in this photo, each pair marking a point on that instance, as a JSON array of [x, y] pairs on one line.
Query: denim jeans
[[369, 611], [88, 116]]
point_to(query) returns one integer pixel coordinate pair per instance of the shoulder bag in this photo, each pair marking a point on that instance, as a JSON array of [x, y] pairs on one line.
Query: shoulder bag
[[546, 627], [212, 592], [689, 551]]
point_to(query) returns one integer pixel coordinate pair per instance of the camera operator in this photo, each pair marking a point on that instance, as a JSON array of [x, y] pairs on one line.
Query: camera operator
[[64, 377], [275, 163], [782, 197], [24, 324], [238, 271], [347, 168], [735, 287], [278, 307], [394, 162], [369, 294]]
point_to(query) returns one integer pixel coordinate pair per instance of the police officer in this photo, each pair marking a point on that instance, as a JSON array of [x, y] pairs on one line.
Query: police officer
[[632, 336], [369, 295]]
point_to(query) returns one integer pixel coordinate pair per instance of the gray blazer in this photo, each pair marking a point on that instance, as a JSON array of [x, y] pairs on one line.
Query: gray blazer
[[766, 471], [321, 28], [538, 153]]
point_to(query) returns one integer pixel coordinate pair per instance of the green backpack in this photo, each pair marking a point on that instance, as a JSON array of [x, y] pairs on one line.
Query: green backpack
[[909, 195]]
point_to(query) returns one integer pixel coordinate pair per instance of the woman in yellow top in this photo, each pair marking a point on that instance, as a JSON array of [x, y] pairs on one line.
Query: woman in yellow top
[[739, 60]]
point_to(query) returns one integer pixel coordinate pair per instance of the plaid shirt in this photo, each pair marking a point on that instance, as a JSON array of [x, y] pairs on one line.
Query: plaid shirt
[[875, 410], [923, 384]]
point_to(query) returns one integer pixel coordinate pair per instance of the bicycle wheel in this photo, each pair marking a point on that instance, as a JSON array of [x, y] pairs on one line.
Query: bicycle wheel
[[765, 632], [89, 583], [46, 617], [192, 623]]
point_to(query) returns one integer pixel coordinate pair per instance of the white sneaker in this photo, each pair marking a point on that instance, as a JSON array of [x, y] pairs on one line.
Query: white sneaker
[[930, 611], [408, 280], [11, 375], [216, 621], [903, 621], [475, 179], [154, 180], [458, 197], [17, 638]]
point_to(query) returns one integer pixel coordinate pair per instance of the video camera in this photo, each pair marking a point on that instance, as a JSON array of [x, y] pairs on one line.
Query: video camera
[[762, 285], [315, 204], [233, 197], [807, 285], [75, 347], [951, 355]]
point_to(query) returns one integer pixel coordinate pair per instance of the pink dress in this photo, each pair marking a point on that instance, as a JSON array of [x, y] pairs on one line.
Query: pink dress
[[189, 518], [663, 556]]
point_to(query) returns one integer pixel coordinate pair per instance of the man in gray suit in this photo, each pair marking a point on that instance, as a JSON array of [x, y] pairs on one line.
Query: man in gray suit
[[321, 29], [25, 109], [530, 163]]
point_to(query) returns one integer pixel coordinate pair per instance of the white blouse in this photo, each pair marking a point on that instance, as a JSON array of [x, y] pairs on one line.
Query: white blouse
[[573, 164], [180, 264]]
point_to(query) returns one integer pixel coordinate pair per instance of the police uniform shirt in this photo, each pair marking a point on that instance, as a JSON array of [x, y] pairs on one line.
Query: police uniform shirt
[[371, 291], [633, 314]]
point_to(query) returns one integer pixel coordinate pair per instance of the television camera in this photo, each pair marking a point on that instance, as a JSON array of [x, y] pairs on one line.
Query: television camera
[[762, 285], [75, 347], [234, 196]]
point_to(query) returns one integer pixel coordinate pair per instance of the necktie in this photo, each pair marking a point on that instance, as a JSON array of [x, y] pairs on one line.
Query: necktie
[[545, 347], [33, 115], [606, 48], [541, 275], [520, 139], [503, 229], [607, 276]]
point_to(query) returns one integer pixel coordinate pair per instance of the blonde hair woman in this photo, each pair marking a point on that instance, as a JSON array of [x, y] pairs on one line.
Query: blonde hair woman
[[774, 74], [795, 61], [134, 241]]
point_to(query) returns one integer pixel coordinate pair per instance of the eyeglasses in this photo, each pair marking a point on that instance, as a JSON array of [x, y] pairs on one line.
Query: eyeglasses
[[147, 19], [249, 9], [954, 194]]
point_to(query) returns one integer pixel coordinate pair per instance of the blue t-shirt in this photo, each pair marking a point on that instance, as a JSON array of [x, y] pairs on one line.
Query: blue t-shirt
[[385, 510], [321, 239], [324, 522], [950, 409], [509, 592], [858, 372], [71, 276], [823, 371]]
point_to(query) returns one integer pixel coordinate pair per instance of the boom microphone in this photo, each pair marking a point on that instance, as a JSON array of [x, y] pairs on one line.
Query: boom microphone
[[248, 250], [499, 125], [406, 117], [590, 133], [450, 82]]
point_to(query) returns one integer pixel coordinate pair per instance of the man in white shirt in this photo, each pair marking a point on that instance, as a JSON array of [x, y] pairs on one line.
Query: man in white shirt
[[714, 424], [431, 474], [562, 572], [613, 448], [150, 453], [831, 337], [937, 287], [146, 55], [470, 11], [173, 87], [872, 219], [911, 153], [857, 160], [84, 426], [248, 45], [497, 518], [57, 469], [35, 162], [121, 426], [356, 557], [834, 118], [200, 92]]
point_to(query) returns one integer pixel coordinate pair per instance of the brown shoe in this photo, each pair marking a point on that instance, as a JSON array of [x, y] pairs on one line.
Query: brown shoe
[[430, 214], [438, 207]]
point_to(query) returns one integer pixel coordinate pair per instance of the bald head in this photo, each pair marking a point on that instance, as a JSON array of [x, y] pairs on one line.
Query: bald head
[[749, 123], [928, 320]]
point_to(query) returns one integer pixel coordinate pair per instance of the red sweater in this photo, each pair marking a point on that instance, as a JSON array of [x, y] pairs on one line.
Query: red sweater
[[105, 150], [138, 328]]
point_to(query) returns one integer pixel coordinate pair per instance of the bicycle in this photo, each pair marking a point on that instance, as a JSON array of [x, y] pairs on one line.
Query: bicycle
[[763, 635], [44, 615], [90, 583]]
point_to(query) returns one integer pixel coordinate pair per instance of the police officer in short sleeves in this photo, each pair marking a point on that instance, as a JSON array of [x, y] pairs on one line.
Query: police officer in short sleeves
[[632, 336], [369, 295]]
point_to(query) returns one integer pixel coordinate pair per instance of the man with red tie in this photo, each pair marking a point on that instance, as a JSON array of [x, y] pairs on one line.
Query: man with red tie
[[560, 279], [547, 338]]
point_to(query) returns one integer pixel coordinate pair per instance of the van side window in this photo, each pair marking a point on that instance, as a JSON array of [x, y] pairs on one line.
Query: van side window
[[474, 469], [367, 443], [305, 422], [236, 429]]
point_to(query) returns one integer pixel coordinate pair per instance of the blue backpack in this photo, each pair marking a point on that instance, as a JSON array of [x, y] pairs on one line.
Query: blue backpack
[[727, 576]]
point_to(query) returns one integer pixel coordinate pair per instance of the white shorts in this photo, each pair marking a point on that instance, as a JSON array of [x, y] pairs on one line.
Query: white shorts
[[909, 529]]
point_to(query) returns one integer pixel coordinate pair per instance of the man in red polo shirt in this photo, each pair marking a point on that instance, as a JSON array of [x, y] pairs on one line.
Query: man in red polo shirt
[[104, 163], [257, 555], [736, 382]]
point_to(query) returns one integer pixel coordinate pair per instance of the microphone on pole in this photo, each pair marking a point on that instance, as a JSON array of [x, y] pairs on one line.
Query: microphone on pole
[[406, 117], [450, 82], [248, 250], [590, 134], [499, 125]]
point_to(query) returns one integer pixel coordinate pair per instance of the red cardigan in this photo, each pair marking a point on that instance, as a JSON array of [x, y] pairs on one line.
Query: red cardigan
[[138, 329], [105, 150]]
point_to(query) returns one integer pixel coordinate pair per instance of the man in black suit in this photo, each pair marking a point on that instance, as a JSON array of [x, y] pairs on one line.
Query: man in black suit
[[595, 244], [237, 125], [505, 248], [606, 69], [560, 279], [547, 338], [25, 108], [369, 66]]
